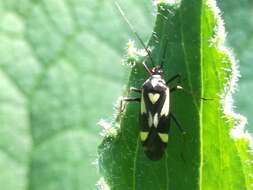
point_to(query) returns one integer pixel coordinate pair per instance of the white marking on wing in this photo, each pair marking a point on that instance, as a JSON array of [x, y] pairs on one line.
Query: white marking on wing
[[150, 120], [166, 106], [156, 120]]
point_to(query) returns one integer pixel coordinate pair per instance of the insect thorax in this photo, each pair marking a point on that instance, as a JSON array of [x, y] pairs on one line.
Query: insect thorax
[[155, 83], [154, 95]]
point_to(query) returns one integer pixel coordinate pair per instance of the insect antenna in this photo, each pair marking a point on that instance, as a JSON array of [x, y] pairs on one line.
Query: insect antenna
[[136, 35], [164, 54]]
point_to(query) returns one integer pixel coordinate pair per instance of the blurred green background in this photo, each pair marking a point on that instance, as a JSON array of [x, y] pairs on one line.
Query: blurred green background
[[61, 72]]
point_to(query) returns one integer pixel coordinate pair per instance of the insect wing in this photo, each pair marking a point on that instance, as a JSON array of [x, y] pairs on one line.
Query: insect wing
[[154, 123]]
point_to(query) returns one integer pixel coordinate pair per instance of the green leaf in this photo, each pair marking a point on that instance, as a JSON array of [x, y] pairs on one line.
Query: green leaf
[[217, 152], [57, 80], [238, 19]]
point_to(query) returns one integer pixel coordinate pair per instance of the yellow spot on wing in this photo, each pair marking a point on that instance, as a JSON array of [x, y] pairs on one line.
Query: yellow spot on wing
[[164, 137], [153, 97], [143, 135]]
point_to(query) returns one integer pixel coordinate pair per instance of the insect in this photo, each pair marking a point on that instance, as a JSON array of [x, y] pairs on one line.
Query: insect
[[155, 115]]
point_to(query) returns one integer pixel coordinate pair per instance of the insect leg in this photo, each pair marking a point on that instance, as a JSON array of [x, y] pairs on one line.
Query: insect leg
[[176, 88], [184, 137], [135, 89], [178, 124], [131, 99], [190, 93], [177, 76], [127, 99]]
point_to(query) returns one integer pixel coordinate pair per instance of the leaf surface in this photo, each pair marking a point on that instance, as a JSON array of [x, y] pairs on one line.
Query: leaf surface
[[239, 25], [211, 158]]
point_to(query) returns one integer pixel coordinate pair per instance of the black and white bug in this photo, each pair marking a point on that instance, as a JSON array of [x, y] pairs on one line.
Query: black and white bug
[[155, 114]]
